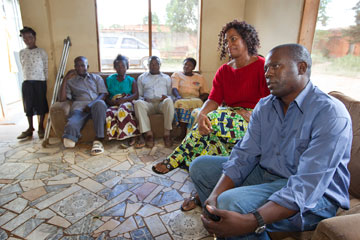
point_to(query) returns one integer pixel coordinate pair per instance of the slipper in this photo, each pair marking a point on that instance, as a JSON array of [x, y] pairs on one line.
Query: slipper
[[163, 163], [149, 141], [140, 143], [97, 148], [193, 201], [132, 141], [41, 133]]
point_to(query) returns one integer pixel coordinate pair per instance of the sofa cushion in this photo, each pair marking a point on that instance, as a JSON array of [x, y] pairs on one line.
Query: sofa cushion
[[353, 107]]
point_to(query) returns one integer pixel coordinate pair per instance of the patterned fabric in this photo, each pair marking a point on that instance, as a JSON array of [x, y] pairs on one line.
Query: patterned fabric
[[184, 107], [34, 64], [120, 121], [228, 128]]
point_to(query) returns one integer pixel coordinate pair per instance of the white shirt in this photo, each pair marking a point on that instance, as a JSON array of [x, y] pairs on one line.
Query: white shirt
[[34, 64], [152, 87]]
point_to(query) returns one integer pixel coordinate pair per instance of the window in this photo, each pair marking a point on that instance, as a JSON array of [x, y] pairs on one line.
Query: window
[[336, 47], [124, 29]]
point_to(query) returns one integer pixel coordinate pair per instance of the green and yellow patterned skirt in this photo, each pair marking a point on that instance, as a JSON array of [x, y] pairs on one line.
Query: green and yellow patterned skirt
[[228, 128]]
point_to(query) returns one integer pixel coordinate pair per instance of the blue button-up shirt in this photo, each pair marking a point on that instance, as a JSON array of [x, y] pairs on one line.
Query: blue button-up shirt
[[309, 145]]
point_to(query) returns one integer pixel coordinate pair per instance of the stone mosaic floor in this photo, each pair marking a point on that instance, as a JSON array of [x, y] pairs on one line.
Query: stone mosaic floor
[[57, 193]]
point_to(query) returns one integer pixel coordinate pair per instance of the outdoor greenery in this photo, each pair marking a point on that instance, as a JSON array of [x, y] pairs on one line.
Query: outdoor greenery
[[182, 15]]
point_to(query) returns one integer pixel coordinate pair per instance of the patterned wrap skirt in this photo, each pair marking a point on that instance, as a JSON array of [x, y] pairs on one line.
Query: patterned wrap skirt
[[183, 108], [228, 128], [121, 122]]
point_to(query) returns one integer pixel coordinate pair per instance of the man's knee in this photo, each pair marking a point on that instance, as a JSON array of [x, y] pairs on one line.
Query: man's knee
[[139, 104], [228, 201], [99, 105], [198, 166]]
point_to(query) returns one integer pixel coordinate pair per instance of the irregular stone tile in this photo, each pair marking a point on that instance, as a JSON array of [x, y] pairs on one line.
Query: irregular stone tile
[[58, 177], [43, 167], [3, 234], [122, 197], [177, 185], [188, 187], [143, 191], [78, 205], [83, 171], [45, 175], [64, 181], [166, 236], [116, 211], [31, 184], [134, 168], [91, 185], [122, 167], [139, 221], [86, 225], [120, 158], [127, 226], [26, 228], [11, 170], [7, 198], [56, 236], [139, 174], [52, 158], [6, 217], [2, 211], [45, 214], [96, 164], [56, 188], [167, 198], [108, 226], [57, 197], [20, 219], [77, 173], [17, 205], [28, 173], [6, 181], [173, 206], [148, 210], [112, 182], [155, 225], [133, 180], [105, 176], [133, 198], [141, 234], [147, 159], [59, 221], [153, 151], [151, 196], [33, 194], [118, 189], [179, 176], [131, 208], [161, 181], [19, 154], [167, 189], [42, 232]]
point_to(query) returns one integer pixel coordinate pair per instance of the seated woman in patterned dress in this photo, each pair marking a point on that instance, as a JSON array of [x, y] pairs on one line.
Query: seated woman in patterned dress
[[237, 86], [121, 123], [190, 91]]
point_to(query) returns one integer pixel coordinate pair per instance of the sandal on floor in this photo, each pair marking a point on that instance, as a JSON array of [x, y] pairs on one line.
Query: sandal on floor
[[163, 163], [97, 148], [140, 143], [149, 141], [190, 203], [41, 133]]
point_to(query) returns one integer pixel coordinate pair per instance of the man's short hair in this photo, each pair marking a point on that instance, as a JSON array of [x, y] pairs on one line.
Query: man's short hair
[[27, 30], [156, 58], [298, 53], [80, 58]]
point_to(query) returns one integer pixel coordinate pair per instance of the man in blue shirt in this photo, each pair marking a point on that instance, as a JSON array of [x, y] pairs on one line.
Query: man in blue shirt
[[290, 170]]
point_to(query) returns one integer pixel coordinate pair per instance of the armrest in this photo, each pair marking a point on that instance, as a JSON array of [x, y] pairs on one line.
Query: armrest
[[340, 227], [59, 113]]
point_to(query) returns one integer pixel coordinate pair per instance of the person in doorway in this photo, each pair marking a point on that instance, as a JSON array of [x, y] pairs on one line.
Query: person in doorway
[[155, 97], [190, 90], [87, 91], [34, 62], [289, 171]]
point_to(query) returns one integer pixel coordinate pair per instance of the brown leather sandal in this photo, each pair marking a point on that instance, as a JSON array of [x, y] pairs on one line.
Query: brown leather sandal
[[190, 203]]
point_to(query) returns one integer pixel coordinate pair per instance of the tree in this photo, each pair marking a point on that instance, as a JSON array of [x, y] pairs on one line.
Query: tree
[[354, 31], [182, 15], [154, 19], [322, 17]]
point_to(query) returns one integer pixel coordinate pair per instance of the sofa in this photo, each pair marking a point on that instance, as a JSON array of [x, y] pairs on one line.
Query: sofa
[[59, 113], [346, 223]]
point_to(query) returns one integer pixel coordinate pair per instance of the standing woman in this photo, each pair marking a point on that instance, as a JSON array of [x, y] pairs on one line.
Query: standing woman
[[120, 116], [237, 86], [34, 62]]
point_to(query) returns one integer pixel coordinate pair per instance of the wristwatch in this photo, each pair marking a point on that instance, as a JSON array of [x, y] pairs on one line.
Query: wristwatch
[[261, 224]]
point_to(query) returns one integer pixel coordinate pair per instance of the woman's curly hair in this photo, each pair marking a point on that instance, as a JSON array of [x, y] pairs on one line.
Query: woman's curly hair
[[247, 33]]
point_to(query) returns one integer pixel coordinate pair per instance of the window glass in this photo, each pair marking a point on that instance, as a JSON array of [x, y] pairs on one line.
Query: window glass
[[174, 36], [336, 47]]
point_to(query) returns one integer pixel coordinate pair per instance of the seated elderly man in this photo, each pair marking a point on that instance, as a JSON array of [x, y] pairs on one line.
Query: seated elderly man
[[155, 97], [290, 170], [87, 91]]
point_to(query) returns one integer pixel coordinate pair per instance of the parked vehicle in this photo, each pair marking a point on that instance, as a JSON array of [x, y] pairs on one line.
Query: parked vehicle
[[136, 50]]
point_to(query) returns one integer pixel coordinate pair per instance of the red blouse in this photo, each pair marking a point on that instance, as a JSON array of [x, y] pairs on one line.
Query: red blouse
[[240, 87]]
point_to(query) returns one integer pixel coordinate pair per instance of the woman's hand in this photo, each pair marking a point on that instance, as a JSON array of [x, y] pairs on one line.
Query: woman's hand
[[204, 124], [245, 114]]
